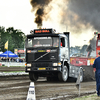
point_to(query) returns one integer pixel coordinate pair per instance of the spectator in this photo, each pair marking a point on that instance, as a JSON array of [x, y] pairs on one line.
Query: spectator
[[96, 66]]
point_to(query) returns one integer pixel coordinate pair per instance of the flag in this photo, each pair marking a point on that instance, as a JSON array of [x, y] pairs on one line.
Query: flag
[[6, 45]]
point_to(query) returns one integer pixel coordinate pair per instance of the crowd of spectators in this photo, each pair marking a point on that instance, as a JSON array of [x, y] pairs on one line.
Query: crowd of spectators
[[10, 59]]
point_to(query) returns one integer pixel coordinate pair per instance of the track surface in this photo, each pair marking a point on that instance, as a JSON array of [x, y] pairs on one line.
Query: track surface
[[16, 88], [10, 69]]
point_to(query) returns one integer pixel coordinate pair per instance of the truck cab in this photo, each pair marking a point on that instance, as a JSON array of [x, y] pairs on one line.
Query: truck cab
[[47, 55]]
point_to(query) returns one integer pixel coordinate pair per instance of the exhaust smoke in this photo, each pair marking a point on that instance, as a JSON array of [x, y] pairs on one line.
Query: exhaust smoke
[[39, 6], [92, 46], [80, 17]]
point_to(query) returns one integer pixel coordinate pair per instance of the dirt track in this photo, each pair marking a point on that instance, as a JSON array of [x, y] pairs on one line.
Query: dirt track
[[9, 69], [16, 88]]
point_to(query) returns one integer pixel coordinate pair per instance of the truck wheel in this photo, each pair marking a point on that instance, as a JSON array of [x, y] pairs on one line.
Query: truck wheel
[[33, 76], [63, 76]]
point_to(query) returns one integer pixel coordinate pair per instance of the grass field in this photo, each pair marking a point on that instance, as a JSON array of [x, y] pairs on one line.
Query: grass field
[[89, 97]]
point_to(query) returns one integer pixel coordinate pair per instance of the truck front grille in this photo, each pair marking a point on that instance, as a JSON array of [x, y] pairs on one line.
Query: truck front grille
[[41, 64], [42, 56]]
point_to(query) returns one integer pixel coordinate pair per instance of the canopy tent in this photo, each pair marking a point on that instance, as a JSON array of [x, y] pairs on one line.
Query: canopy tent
[[8, 54]]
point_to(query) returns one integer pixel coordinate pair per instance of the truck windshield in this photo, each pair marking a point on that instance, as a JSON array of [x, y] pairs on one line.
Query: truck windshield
[[42, 42]]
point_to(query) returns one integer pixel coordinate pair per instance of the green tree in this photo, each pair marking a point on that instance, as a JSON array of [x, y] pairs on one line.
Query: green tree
[[2, 38], [15, 38]]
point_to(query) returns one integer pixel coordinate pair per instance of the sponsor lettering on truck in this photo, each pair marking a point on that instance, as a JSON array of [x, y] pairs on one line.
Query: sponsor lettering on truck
[[47, 55]]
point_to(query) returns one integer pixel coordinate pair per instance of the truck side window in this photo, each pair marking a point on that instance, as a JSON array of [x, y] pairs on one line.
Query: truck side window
[[63, 42]]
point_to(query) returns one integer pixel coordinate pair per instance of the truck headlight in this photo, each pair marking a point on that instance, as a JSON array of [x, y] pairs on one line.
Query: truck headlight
[[28, 65], [28, 69], [28, 51], [54, 64], [57, 64], [54, 68]]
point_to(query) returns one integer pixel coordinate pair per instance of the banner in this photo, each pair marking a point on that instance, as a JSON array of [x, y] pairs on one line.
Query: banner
[[6, 45]]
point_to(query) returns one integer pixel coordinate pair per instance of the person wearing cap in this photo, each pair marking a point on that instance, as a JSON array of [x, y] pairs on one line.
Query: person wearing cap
[[96, 66]]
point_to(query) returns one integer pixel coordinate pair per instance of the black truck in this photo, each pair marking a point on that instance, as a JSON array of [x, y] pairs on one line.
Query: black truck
[[48, 55]]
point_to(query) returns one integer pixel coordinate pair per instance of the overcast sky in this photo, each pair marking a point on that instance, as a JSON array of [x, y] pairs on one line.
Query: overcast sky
[[17, 14]]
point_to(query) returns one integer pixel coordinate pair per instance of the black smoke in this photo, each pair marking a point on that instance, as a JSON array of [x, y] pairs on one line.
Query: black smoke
[[87, 10], [92, 46], [39, 6]]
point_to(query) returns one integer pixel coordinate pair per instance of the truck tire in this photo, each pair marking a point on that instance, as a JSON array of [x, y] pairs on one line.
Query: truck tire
[[63, 76], [33, 76]]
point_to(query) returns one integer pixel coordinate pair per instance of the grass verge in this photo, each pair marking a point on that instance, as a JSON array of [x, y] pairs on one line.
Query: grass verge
[[89, 97]]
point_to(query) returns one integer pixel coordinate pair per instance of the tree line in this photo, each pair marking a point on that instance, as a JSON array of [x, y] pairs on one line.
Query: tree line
[[15, 38]]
